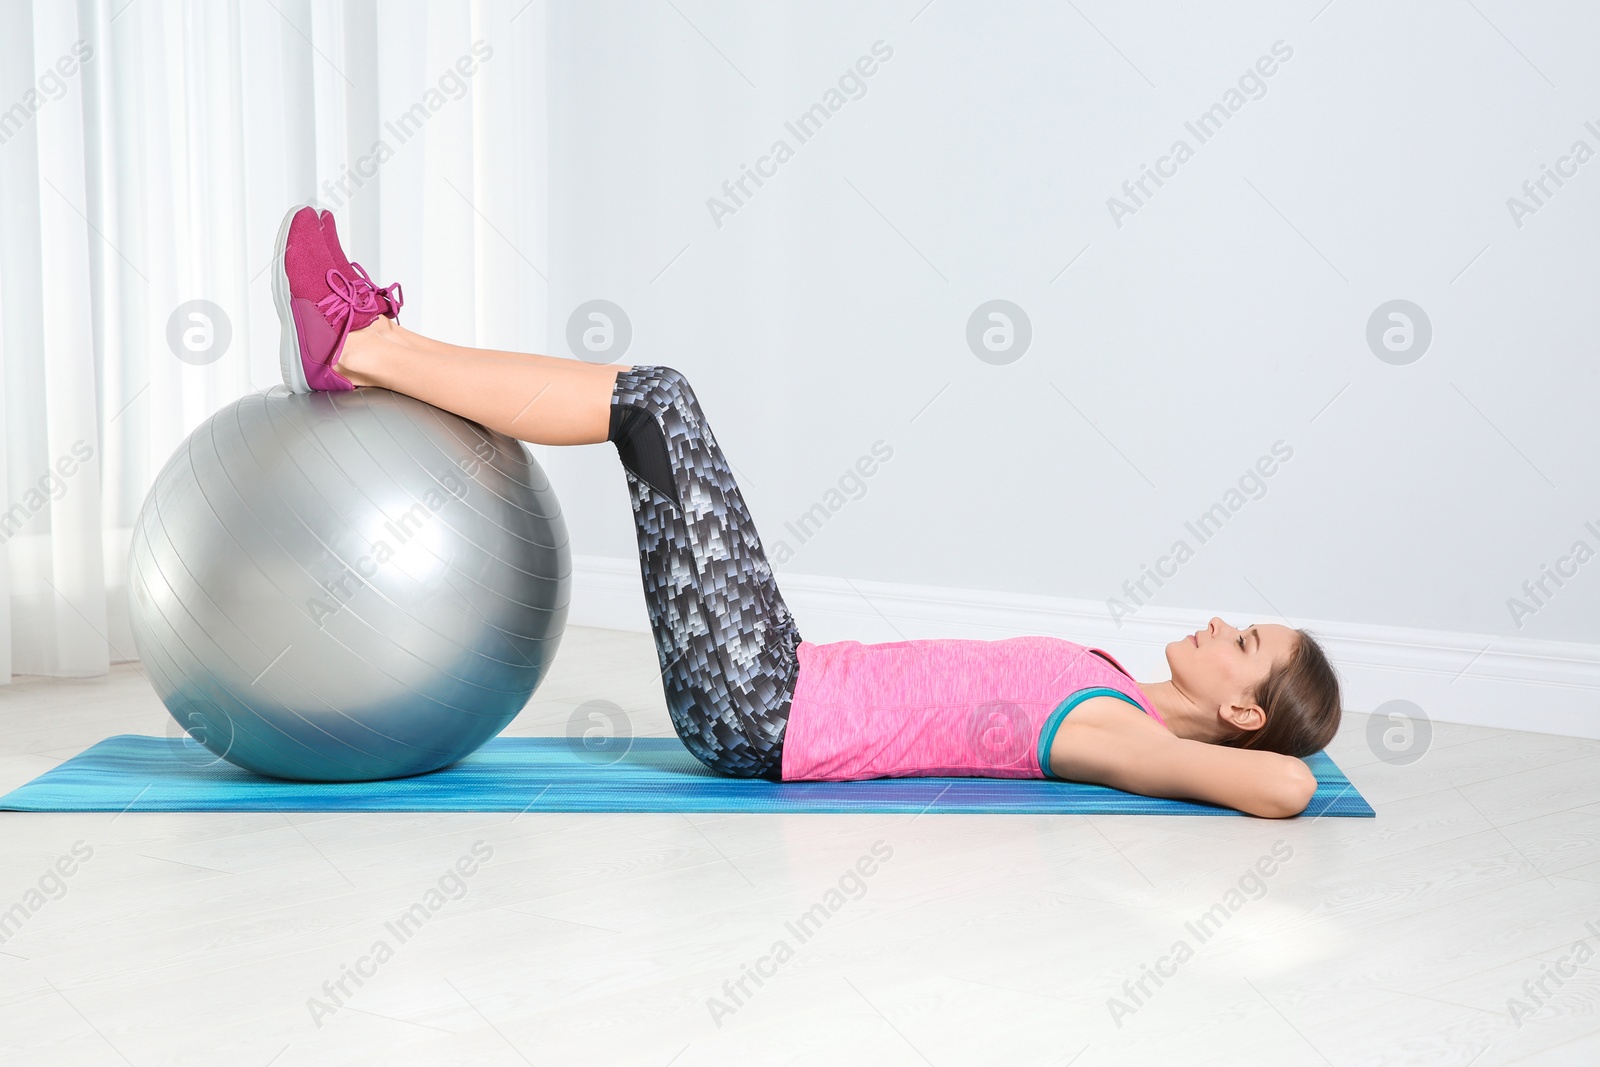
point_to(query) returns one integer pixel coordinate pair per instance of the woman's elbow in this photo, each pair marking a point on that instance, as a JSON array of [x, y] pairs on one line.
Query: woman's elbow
[[1299, 786]]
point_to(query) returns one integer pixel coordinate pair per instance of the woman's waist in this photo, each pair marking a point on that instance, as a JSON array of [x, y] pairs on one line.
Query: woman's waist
[[995, 738]]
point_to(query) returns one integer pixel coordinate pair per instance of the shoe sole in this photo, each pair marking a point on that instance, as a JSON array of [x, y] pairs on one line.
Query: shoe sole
[[294, 371]]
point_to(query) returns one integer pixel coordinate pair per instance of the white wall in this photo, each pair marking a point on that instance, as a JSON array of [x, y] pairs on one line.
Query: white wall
[[1227, 313]]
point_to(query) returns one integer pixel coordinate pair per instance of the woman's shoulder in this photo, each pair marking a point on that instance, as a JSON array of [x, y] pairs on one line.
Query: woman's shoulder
[[1100, 736], [1108, 722], [1113, 712]]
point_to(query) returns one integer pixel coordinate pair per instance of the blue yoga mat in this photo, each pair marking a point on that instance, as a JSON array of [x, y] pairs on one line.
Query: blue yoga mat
[[130, 772]]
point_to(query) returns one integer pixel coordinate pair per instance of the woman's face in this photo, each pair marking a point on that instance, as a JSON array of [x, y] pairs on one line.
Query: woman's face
[[1219, 666]]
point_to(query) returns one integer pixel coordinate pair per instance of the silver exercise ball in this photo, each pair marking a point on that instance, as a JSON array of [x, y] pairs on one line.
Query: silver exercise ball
[[341, 587]]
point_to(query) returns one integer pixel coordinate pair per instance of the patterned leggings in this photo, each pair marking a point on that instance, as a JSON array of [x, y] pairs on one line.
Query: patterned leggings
[[724, 637]]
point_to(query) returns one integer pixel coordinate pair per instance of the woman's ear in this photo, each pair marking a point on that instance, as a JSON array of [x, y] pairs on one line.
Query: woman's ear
[[1245, 716]]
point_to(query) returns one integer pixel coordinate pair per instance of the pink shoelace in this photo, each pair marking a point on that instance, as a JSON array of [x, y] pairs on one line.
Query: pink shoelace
[[350, 296]]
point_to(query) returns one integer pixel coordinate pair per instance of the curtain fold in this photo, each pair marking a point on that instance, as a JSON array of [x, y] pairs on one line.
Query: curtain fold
[[148, 151]]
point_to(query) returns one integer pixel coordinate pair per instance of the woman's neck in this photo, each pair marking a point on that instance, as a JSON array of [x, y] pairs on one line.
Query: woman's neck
[[1182, 716]]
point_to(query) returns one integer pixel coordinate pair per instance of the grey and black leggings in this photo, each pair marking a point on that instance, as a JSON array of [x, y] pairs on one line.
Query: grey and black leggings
[[724, 637]]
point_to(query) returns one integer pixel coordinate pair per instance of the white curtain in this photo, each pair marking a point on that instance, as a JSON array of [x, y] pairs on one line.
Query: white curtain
[[148, 150]]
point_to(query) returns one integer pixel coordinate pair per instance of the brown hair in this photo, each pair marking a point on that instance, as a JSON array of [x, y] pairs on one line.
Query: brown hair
[[1301, 699]]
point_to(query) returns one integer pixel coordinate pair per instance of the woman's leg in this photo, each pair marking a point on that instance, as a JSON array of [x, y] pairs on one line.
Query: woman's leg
[[724, 637], [542, 399]]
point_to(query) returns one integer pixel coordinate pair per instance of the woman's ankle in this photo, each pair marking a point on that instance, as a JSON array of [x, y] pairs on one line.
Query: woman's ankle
[[361, 359]]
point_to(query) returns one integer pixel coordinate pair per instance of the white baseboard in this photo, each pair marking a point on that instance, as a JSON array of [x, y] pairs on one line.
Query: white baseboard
[[1477, 679]]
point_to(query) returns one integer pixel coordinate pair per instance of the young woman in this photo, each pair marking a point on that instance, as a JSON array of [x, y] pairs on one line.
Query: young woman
[[747, 696]]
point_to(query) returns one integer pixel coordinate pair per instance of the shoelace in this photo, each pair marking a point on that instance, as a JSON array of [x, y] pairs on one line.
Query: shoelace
[[392, 294], [348, 296]]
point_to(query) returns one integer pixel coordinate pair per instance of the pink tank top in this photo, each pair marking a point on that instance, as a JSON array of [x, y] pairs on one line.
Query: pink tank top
[[987, 709]]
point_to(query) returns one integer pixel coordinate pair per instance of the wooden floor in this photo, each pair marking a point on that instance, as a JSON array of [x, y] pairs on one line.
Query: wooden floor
[[980, 939]]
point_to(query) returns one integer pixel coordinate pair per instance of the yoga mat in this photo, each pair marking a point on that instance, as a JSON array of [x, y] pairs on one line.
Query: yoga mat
[[133, 773]]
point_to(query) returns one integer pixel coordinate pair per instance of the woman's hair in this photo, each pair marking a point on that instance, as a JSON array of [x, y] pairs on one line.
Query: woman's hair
[[1301, 699]]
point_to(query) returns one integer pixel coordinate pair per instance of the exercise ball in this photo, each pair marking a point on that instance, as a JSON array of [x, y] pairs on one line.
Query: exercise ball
[[341, 587]]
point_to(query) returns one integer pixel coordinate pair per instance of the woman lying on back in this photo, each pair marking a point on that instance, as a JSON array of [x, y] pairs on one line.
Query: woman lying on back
[[747, 696]]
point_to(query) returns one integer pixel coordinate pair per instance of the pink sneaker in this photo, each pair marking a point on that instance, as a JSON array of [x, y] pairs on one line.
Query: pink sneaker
[[319, 302], [391, 296]]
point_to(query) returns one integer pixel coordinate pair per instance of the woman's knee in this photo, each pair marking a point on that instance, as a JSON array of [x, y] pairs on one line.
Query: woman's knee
[[671, 377], [672, 387]]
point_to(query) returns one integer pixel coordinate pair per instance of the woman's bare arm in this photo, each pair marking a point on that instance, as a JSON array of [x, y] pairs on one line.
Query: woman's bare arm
[[1116, 744]]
